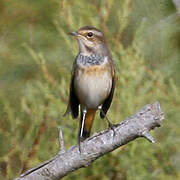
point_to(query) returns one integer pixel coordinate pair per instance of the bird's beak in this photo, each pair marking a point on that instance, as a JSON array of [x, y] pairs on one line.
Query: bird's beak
[[73, 33]]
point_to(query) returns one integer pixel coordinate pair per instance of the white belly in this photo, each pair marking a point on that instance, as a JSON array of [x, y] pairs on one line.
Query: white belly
[[92, 89]]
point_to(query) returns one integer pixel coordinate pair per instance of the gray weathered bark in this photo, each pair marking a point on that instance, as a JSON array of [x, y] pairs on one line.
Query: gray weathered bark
[[138, 125]]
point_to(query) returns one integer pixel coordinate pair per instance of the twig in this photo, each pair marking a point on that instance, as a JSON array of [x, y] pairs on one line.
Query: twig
[[61, 141]]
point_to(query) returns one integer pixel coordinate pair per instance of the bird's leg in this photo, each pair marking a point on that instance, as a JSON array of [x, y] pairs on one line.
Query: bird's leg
[[83, 120], [84, 112], [110, 124]]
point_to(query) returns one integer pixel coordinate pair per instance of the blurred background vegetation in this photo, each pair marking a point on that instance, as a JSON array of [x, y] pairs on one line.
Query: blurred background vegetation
[[36, 57]]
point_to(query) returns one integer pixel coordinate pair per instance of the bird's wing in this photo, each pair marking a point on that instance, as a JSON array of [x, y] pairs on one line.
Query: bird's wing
[[73, 104], [108, 100]]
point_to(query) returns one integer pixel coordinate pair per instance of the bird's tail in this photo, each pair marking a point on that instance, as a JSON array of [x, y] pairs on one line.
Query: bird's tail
[[85, 128]]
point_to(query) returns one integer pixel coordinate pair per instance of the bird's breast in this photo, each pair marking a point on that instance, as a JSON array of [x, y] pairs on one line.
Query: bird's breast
[[93, 84]]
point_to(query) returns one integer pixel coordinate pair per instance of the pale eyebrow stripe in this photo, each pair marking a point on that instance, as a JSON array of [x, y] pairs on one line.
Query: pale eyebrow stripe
[[98, 33]]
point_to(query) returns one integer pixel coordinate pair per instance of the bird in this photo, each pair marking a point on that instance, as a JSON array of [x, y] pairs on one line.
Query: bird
[[92, 79]]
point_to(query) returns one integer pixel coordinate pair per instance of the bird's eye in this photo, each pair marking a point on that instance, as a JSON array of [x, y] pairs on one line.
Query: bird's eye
[[90, 34]]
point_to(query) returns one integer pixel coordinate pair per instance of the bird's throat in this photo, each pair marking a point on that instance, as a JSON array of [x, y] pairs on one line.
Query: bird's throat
[[91, 60]]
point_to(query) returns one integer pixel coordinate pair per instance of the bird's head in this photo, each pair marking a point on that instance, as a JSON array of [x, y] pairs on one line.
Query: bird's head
[[91, 41]]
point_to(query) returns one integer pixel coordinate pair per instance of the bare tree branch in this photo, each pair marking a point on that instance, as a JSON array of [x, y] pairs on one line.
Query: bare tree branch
[[138, 125]]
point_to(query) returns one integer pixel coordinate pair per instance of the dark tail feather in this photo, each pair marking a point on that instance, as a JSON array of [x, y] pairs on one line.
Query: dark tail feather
[[89, 118]]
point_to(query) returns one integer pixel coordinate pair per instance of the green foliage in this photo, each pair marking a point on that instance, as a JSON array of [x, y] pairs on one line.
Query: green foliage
[[36, 56]]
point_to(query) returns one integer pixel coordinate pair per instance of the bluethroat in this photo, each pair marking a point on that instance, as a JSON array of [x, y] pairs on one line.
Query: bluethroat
[[93, 79]]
